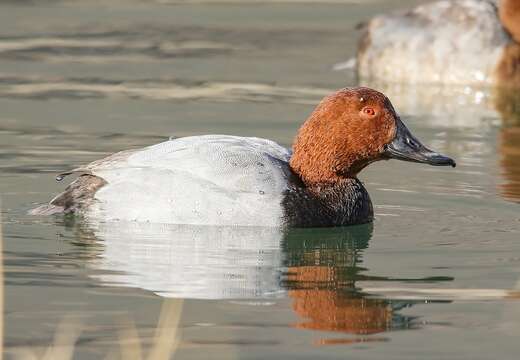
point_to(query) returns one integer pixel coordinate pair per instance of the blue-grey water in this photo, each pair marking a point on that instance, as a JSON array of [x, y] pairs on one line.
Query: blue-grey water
[[437, 276]]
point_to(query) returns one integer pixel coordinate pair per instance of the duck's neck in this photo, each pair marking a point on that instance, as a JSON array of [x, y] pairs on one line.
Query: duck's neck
[[509, 12], [345, 202], [329, 193]]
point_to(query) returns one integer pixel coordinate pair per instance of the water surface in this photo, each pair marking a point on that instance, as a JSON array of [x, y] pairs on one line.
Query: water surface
[[436, 275]]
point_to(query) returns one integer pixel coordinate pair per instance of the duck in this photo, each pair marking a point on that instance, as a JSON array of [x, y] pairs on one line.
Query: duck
[[229, 180], [461, 42]]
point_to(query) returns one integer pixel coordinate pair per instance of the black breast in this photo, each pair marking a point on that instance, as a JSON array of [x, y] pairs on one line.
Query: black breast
[[344, 203]]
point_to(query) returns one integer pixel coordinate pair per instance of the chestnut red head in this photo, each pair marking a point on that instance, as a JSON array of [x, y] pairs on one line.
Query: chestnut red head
[[349, 130]]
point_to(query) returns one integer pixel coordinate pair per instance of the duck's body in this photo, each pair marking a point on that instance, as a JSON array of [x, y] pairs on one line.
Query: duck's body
[[448, 42], [210, 180], [231, 180]]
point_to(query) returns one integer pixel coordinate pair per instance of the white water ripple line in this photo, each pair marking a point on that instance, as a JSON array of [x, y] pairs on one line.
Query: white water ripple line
[[101, 50], [160, 90], [31, 43]]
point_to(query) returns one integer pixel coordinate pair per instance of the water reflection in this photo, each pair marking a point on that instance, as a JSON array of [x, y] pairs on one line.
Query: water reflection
[[477, 111], [507, 102], [443, 106], [322, 270], [510, 162], [197, 262], [321, 275], [316, 268]]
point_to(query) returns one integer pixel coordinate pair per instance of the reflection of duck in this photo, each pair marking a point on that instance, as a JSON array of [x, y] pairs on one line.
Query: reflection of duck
[[508, 103], [198, 262], [317, 268], [336, 311], [321, 275], [448, 42]]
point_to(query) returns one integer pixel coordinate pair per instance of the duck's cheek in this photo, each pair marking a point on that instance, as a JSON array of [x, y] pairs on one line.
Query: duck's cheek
[[389, 128], [381, 130], [376, 145]]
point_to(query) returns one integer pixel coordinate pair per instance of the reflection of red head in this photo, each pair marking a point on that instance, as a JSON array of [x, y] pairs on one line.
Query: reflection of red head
[[510, 162], [507, 103], [334, 310]]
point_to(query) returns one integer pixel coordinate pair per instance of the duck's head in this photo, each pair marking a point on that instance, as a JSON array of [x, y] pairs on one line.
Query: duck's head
[[350, 129], [509, 12]]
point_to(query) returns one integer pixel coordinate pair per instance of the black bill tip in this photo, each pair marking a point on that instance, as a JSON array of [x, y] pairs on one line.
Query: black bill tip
[[436, 159], [406, 147]]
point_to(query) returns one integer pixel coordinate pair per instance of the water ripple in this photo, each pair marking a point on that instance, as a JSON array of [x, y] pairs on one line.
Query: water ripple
[[156, 89]]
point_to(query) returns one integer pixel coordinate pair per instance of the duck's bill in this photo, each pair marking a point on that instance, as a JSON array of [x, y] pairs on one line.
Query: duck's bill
[[406, 147]]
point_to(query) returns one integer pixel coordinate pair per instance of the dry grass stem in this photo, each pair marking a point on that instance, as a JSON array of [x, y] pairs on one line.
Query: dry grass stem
[[166, 340], [129, 342]]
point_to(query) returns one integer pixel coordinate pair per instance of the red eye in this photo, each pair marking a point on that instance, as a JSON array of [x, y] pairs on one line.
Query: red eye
[[369, 111]]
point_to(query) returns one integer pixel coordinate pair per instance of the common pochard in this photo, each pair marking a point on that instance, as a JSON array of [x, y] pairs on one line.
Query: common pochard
[[232, 180], [448, 42]]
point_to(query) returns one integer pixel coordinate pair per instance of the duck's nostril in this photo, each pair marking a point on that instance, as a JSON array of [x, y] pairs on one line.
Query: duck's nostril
[[411, 142]]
